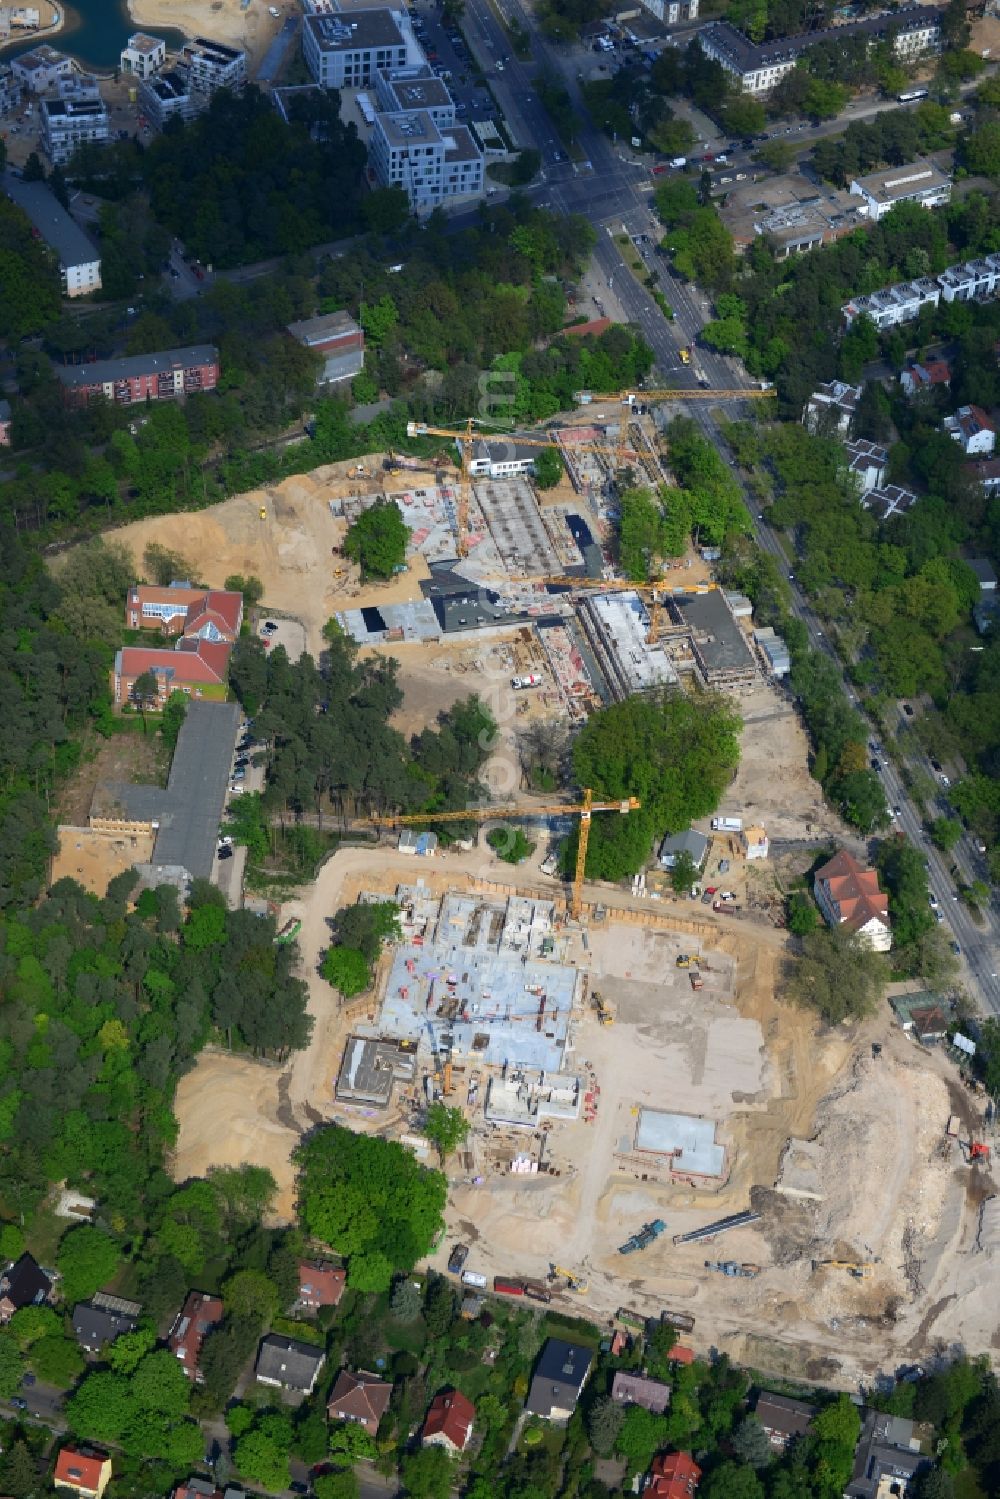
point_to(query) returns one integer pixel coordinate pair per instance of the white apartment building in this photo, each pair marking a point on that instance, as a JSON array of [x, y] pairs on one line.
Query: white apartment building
[[213, 65], [757, 67], [920, 182], [346, 50], [10, 89], [895, 304], [144, 55], [169, 94], [973, 430], [79, 260], [831, 407], [73, 115], [40, 69], [404, 90], [408, 150], [868, 462], [672, 12]]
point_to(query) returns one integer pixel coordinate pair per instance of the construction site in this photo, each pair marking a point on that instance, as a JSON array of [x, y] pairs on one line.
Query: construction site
[[623, 1055]]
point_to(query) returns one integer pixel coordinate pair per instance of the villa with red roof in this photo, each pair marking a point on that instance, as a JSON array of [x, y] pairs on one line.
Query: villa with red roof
[[848, 894], [672, 1475], [449, 1422], [196, 1318], [84, 1470], [179, 609], [196, 667]]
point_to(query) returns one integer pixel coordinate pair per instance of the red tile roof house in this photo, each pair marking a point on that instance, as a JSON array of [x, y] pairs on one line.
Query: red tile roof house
[[197, 667], [179, 609], [198, 1315], [449, 1422], [359, 1397], [848, 895], [320, 1285], [84, 1470], [672, 1475]]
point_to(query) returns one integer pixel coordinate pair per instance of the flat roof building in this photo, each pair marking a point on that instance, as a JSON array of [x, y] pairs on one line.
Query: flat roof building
[[78, 258], [214, 65], [722, 655], [689, 1141], [403, 90], [868, 462], [169, 95], [888, 500], [39, 69], [143, 55], [831, 407], [346, 51], [920, 182], [76, 116], [617, 626], [371, 1066], [10, 89]]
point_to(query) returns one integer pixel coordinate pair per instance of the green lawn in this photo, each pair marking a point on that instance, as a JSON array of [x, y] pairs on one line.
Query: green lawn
[[410, 1336]]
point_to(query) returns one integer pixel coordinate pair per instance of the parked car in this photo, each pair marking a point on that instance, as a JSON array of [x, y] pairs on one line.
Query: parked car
[[270, 626], [908, 710], [225, 853], [936, 765], [18, 1403], [956, 949], [457, 1258]]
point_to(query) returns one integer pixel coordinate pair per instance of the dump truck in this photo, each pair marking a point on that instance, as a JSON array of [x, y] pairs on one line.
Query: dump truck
[[683, 1321], [697, 982], [733, 1267], [646, 1236]]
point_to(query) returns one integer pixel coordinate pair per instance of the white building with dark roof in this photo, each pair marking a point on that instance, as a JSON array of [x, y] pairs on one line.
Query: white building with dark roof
[[73, 115], [41, 68], [169, 95], [79, 260], [868, 462], [213, 65], [973, 430], [831, 407]]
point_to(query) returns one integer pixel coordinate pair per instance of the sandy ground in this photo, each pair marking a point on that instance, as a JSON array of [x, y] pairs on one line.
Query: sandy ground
[[94, 858], [287, 549], [773, 785], [221, 20]]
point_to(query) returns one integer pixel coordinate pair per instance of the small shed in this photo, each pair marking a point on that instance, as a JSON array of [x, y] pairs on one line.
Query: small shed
[[755, 843], [424, 845]]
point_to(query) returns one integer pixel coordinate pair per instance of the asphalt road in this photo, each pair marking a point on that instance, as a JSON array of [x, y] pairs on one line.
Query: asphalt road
[[614, 194]]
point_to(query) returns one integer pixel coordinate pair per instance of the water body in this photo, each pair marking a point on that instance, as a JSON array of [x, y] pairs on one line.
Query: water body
[[97, 30]]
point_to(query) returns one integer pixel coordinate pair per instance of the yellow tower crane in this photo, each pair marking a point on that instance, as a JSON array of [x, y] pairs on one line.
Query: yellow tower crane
[[465, 440], [583, 809]]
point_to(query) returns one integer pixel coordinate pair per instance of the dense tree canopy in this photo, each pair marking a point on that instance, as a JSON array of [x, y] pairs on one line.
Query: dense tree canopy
[[674, 752], [371, 1201]]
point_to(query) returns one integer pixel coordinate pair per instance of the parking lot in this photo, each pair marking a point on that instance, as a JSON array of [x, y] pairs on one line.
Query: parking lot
[[445, 56], [289, 633], [231, 858]]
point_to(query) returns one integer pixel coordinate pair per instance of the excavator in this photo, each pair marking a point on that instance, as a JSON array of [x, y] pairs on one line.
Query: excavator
[[861, 1270], [573, 1281]]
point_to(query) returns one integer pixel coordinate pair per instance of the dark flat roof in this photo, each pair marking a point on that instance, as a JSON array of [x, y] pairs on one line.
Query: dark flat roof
[[719, 639], [53, 223]]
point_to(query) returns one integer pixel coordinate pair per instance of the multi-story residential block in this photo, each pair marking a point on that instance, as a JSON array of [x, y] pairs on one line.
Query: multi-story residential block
[[169, 95], [408, 150], [155, 377], [143, 55], [972, 429], [848, 895], [346, 50], [79, 261], [868, 462], [407, 90], [340, 341], [758, 67], [831, 407], [11, 89], [214, 65], [920, 182], [972, 281], [73, 115], [41, 68]]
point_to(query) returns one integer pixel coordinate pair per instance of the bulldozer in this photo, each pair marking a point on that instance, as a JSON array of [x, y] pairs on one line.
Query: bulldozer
[[604, 1012]]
